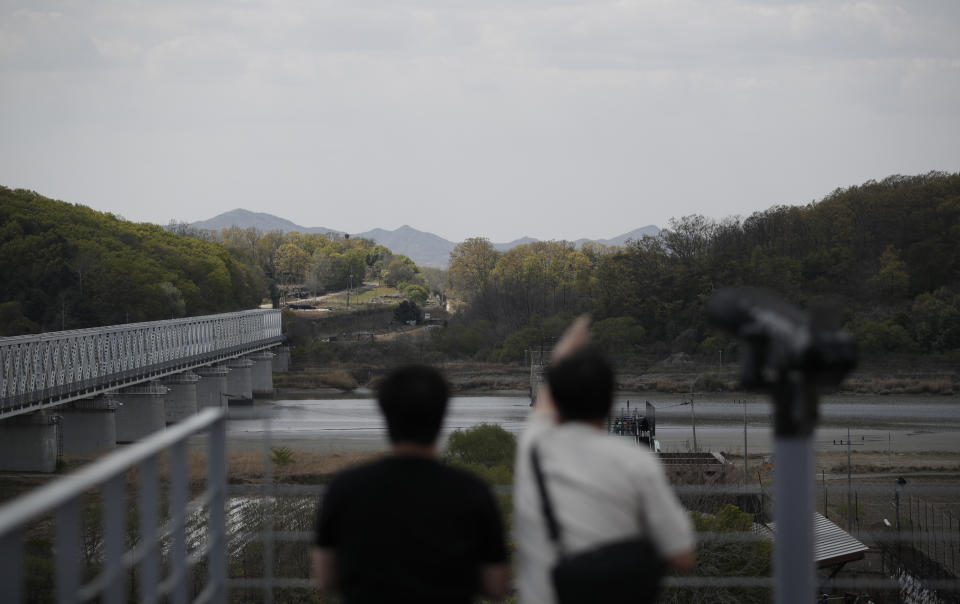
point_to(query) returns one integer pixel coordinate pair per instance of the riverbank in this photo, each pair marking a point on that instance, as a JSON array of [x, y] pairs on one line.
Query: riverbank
[[679, 373]]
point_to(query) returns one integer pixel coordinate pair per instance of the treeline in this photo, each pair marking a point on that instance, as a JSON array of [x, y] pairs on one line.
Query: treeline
[[318, 262], [886, 252], [66, 266]]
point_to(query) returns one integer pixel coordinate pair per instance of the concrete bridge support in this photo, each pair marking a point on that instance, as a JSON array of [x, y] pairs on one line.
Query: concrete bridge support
[[181, 399], [281, 362], [212, 387], [240, 382], [29, 443], [89, 426], [141, 410], [262, 374]]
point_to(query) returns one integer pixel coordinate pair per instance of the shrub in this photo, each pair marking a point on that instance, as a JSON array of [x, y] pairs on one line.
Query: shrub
[[487, 445]]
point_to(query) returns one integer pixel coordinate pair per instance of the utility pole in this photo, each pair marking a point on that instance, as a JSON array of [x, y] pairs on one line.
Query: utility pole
[[849, 487], [746, 474], [693, 416], [889, 444]]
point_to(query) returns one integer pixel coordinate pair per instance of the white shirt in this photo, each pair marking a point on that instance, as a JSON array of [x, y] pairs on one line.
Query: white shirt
[[603, 488]]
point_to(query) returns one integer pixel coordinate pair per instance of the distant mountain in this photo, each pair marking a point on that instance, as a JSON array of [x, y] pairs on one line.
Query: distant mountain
[[502, 247], [647, 231], [258, 220], [426, 249]]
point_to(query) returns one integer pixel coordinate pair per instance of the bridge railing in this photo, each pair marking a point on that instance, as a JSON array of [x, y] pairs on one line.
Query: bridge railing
[[57, 367], [165, 521]]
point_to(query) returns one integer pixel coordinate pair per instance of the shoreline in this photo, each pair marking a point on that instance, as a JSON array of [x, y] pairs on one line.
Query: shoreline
[[906, 376]]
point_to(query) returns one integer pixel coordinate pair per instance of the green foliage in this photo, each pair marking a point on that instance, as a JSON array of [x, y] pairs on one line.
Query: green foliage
[[726, 559], [415, 293], [407, 311], [885, 252], [66, 266], [281, 456], [487, 445], [619, 335]]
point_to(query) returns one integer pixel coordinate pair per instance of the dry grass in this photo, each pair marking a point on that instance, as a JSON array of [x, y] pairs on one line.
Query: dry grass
[[248, 466], [314, 377]]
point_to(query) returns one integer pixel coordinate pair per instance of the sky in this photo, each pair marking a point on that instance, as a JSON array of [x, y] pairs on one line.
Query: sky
[[553, 119]]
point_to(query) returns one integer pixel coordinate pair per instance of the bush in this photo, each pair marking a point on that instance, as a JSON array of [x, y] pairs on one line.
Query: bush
[[407, 311], [487, 450]]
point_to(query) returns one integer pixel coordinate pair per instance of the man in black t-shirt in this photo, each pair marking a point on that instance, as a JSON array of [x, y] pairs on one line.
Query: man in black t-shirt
[[407, 528]]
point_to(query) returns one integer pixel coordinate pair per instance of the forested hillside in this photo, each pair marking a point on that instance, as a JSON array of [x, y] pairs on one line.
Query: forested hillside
[[888, 252], [65, 266]]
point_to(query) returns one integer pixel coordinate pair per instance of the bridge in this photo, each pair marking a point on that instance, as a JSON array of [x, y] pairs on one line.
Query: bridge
[[79, 392]]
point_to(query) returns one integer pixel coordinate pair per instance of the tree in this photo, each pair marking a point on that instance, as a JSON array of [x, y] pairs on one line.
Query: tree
[[290, 263], [471, 263], [892, 278], [415, 293], [400, 270], [407, 311]]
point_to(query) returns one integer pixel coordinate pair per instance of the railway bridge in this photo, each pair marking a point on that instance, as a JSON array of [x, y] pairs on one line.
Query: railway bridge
[[78, 393]]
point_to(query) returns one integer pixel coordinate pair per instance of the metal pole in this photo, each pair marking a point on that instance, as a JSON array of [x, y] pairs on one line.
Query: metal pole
[[693, 416], [793, 558], [889, 445], [823, 481], [795, 405], [849, 486], [746, 473]]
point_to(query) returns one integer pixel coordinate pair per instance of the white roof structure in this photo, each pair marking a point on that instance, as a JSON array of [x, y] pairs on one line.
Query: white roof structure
[[831, 544]]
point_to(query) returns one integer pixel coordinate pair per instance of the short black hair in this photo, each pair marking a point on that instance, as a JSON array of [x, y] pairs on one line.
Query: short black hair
[[413, 400], [582, 385]]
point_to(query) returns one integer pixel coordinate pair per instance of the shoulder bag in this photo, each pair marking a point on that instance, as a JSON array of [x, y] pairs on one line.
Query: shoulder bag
[[622, 571]]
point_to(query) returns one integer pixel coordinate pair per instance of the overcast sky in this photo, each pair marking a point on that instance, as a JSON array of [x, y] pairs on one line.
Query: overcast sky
[[497, 118]]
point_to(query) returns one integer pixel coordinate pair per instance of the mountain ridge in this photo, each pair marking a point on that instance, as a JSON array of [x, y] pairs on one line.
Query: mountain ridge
[[423, 247]]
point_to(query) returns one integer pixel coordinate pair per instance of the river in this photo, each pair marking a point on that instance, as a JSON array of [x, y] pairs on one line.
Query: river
[[902, 423]]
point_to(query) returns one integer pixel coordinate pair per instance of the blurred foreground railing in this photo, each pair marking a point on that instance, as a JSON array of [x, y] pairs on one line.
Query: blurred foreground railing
[[156, 566], [251, 542]]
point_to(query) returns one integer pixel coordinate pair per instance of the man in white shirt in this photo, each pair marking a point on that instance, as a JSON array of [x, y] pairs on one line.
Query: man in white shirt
[[603, 488]]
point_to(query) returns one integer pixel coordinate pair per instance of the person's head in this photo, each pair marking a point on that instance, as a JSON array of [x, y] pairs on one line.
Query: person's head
[[582, 385], [413, 400]]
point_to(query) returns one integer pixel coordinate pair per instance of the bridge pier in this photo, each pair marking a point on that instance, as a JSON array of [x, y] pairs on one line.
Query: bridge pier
[[141, 411], [262, 373], [181, 399], [281, 362], [212, 387], [29, 442], [240, 382], [89, 426]]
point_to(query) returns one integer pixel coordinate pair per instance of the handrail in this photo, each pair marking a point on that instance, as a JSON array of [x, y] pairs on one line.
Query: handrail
[[62, 499]]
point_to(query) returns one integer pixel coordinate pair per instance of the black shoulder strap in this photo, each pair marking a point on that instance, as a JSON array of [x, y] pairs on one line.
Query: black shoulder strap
[[553, 527]]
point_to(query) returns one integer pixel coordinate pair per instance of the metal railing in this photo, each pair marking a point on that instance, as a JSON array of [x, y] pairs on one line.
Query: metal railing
[[265, 530], [136, 572], [37, 371]]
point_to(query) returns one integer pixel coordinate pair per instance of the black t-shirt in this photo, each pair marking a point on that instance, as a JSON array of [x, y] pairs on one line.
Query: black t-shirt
[[408, 528]]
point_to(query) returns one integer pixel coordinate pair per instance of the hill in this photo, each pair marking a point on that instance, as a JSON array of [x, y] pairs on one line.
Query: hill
[[262, 221], [66, 266], [424, 248]]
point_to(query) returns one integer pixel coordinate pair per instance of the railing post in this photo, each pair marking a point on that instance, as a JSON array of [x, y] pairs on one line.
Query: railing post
[[11, 571], [217, 529], [114, 524], [149, 522], [69, 560], [178, 514]]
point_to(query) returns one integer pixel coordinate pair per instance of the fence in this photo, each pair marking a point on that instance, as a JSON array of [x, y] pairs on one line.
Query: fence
[[250, 542], [161, 514]]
